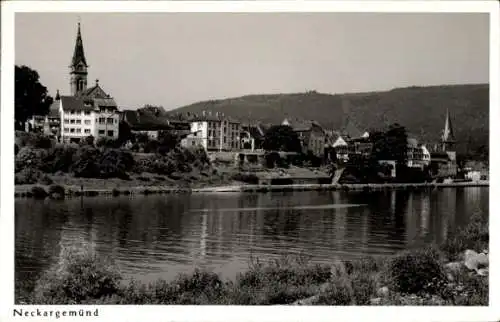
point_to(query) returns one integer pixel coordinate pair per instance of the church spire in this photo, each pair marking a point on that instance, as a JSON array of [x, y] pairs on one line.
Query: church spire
[[78, 54], [78, 69], [448, 135], [448, 138]]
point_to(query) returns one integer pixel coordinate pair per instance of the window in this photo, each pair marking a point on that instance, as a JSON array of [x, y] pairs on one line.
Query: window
[[66, 121], [66, 130], [87, 131], [110, 133], [110, 120], [87, 122], [78, 121], [71, 130], [78, 130], [102, 120], [72, 121], [101, 132], [87, 112]]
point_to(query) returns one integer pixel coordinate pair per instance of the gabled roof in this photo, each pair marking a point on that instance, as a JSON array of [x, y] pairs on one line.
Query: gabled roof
[[141, 121], [351, 130], [95, 92], [75, 103], [302, 125], [78, 54]]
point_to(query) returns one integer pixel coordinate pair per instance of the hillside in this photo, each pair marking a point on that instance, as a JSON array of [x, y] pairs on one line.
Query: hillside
[[420, 109]]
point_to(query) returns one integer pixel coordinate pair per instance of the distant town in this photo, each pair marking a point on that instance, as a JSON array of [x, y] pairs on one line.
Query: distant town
[[90, 114]]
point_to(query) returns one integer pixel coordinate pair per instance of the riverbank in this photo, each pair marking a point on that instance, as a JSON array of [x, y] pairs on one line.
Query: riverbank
[[158, 185], [454, 273]]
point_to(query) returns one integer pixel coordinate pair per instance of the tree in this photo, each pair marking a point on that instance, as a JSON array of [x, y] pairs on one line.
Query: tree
[[30, 95], [281, 138], [391, 144]]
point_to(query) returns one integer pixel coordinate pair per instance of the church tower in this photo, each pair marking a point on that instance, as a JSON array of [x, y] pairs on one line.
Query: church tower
[[448, 138], [78, 69]]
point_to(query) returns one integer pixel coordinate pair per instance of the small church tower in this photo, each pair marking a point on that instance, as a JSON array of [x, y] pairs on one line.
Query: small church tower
[[78, 69], [448, 139]]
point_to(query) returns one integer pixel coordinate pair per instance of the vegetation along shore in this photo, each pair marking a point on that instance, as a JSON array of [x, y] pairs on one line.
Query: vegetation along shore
[[453, 273]]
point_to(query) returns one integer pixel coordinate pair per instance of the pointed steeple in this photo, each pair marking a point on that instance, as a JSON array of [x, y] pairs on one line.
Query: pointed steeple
[[448, 136], [78, 54], [58, 97]]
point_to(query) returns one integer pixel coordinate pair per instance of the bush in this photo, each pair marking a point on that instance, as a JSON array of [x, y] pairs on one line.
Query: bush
[[59, 159], [338, 292], [28, 176], [417, 271], [115, 163], [16, 149], [474, 236], [29, 157], [57, 191], [247, 178], [39, 193], [85, 163], [79, 277]]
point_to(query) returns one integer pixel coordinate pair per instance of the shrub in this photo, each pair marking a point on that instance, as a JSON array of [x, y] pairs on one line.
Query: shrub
[[38, 192], [45, 179], [115, 163], [57, 191], [16, 149], [85, 163], [338, 292], [28, 176], [417, 271], [29, 157], [247, 178], [474, 236], [80, 276], [59, 159]]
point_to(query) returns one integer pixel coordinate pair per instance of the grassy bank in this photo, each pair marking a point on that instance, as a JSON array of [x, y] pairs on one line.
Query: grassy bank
[[415, 277]]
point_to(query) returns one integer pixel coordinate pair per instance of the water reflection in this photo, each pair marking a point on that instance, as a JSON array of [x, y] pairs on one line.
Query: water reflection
[[161, 236]]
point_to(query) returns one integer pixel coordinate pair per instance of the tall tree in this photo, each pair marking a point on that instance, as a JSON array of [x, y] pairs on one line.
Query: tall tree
[[391, 144], [281, 138], [31, 96]]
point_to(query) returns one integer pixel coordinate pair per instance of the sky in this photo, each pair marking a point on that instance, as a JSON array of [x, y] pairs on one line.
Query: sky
[[175, 59]]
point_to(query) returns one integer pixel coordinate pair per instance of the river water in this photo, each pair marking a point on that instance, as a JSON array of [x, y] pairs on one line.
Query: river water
[[163, 235]]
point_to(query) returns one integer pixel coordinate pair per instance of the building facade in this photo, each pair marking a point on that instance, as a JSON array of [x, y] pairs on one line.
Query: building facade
[[311, 135], [215, 132]]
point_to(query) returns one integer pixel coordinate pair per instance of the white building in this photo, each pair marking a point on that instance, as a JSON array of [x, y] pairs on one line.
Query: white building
[[87, 111], [93, 113], [215, 132]]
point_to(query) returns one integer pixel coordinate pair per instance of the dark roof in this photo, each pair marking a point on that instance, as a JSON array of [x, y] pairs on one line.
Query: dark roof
[[302, 125], [212, 117], [141, 121], [78, 54], [76, 103]]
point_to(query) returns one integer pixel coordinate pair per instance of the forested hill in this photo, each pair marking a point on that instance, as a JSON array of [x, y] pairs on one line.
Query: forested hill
[[421, 110]]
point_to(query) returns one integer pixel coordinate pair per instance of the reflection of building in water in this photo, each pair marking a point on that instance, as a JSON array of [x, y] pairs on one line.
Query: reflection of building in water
[[393, 203], [411, 224], [425, 212], [447, 213], [472, 196], [203, 235]]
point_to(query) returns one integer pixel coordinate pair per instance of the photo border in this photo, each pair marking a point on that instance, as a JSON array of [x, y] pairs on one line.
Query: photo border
[[237, 313]]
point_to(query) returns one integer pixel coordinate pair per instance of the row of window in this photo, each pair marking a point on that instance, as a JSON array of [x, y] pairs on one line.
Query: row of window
[[76, 130], [100, 120], [87, 131], [232, 126], [73, 112]]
